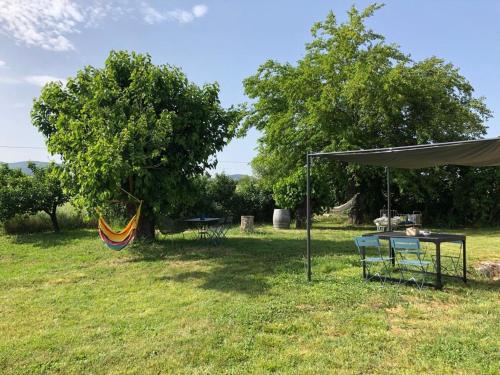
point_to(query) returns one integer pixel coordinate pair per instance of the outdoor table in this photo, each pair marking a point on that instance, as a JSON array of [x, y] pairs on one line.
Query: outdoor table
[[202, 224], [435, 238]]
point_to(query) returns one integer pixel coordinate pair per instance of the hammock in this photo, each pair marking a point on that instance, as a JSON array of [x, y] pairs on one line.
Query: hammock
[[117, 240], [346, 206]]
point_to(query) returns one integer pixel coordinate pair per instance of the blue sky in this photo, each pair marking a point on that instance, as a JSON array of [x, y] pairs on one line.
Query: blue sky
[[222, 41]]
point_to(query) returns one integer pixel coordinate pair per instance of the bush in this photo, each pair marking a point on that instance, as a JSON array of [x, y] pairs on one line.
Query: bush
[[254, 199], [222, 196]]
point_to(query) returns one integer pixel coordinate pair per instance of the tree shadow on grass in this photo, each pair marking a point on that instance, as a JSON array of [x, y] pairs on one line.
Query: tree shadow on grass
[[475, 281], [244, 264], [46, 240]]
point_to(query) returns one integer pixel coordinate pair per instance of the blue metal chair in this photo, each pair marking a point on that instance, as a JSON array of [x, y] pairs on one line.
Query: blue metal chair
[[410, 259], [367, 262]]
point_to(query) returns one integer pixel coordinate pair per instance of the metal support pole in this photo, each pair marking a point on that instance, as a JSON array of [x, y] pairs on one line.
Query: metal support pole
[[464, 262], [389, 224], [392, 254], [308, 217]]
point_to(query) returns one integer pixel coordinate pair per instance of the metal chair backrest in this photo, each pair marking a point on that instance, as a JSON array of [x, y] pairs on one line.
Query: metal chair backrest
[[405, 243], [367, 241]]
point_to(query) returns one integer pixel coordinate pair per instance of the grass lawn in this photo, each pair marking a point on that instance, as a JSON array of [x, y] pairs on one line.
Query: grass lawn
[[69, 305]]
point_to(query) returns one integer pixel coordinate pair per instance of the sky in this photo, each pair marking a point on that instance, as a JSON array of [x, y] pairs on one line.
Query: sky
[[223, 41]]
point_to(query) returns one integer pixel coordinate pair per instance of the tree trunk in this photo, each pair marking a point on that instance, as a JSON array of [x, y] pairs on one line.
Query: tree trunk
[[355, 213], [146, 229], [300, 216], [53, 218]]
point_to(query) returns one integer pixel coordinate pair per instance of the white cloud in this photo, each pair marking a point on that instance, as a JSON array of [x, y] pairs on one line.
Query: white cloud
[[200, 10], [42, 23], [49, 24], [152, 15], [2, 63], [41, 80]]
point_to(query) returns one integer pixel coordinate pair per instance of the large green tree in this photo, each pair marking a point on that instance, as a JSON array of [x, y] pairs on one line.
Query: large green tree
[[135, 126], [352, 90], [22, 194]]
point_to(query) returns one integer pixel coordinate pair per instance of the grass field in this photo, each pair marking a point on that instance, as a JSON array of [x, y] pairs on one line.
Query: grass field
[[68, 305]]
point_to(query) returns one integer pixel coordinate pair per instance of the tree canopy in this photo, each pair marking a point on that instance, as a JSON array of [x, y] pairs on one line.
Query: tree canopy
[[353, 90], [133, 125], [22, 194]]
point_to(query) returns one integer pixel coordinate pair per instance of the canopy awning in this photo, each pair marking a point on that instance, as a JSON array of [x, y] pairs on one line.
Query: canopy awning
[[476, 153]]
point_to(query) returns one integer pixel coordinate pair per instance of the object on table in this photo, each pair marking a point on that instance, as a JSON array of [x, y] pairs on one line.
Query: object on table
[[412, 231]]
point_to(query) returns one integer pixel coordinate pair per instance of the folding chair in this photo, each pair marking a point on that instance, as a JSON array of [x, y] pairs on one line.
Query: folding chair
[[383, 263], [410, 259], [452, 263], [217, 233]]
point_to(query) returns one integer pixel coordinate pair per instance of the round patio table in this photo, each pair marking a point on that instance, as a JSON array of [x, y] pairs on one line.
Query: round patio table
[[202, 224]]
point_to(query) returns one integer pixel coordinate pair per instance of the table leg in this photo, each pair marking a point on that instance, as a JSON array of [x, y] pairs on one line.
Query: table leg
[[392, 254], [363, 261], [464, 259], [439, 283]]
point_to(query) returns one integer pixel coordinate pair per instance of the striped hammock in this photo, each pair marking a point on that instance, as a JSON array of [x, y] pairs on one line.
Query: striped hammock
[[117, 240]]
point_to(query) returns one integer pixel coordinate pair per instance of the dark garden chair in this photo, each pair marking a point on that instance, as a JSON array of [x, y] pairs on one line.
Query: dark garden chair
[[217, 233], [173, 228], [451, 264]]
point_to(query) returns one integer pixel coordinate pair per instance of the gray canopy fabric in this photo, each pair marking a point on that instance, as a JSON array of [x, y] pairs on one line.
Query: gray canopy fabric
[[476, 153]]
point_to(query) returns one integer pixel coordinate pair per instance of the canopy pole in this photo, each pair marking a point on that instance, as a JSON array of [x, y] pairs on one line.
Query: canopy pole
[[308, 217], [389, 225]]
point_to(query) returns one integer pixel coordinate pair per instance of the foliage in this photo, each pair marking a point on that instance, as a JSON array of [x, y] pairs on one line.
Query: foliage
[[221, 191], [254, 199], [136, 126], [68, 217], [242, 308], [220, 195], [352, 90], [459, 195], [22, 194]]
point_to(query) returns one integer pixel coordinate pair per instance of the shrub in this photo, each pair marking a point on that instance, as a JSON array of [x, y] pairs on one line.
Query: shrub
[[254, 199]]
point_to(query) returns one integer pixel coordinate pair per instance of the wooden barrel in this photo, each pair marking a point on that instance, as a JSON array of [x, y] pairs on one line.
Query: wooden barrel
[[281, 218], [247, 223]]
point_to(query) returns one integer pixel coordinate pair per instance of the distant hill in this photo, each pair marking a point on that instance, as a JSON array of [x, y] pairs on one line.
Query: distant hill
[[237, 177], [23, 165]]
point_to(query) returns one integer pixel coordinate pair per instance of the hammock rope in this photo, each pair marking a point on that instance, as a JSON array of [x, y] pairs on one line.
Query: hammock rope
[[117, 240]]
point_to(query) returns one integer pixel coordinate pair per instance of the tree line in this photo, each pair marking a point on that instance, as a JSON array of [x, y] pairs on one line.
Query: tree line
[[146, 129]]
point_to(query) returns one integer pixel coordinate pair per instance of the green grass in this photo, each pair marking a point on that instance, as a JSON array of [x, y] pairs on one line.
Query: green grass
[[68, 305]]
